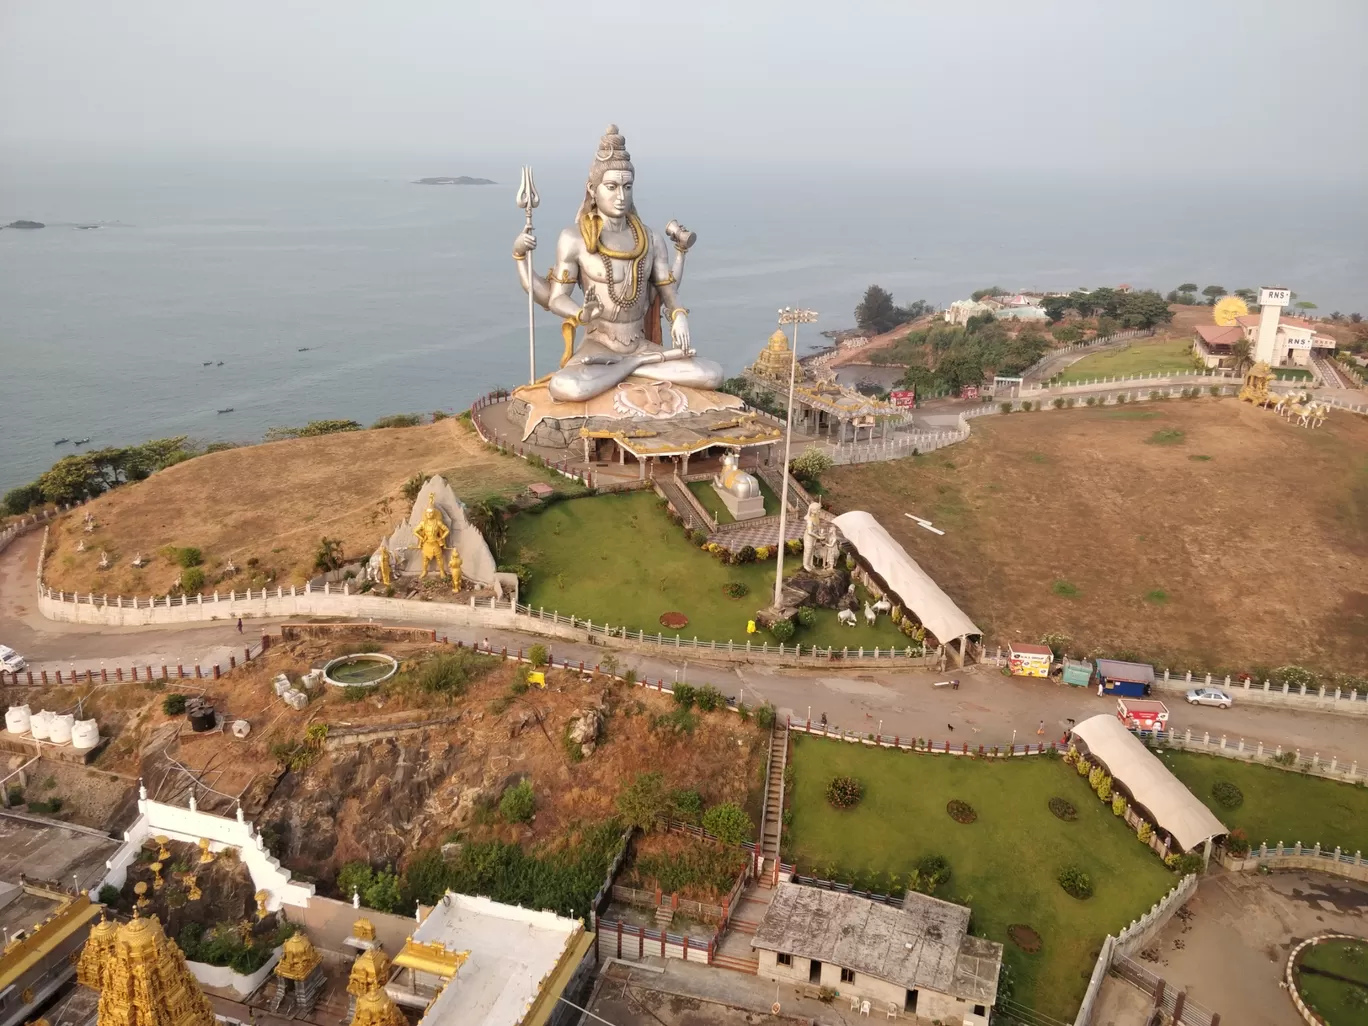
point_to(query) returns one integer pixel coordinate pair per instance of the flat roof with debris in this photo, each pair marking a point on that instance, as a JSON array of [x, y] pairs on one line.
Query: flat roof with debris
[[923, 944]]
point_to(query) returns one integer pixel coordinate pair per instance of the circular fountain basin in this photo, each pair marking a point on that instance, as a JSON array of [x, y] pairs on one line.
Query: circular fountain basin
[[360, 670]]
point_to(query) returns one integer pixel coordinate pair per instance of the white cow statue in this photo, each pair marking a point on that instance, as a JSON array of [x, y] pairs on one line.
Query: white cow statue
[[883, 606], [870, 615], [847, 617]]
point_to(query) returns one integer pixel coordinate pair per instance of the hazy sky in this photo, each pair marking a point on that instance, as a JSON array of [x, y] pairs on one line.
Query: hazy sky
[[1016, 84]]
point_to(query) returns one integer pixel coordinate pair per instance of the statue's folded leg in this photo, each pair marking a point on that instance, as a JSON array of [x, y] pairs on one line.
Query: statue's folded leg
[[578, 382], [692, 373]]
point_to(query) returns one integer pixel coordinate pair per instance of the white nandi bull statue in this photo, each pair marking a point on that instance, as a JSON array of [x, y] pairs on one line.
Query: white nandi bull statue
[[883, 606], [847, 617], [870, 615]]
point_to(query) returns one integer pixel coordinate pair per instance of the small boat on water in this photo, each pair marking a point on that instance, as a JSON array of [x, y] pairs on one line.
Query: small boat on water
[[228, 410], [207, 363], [61, 441], [219, 364], [303, 349], [80, 441]]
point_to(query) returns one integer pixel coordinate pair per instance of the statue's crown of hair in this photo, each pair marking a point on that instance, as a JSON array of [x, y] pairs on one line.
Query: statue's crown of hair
[[611, 155]]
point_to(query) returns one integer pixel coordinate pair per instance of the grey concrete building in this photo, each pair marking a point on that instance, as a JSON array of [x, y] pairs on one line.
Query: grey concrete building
[[917, 961]]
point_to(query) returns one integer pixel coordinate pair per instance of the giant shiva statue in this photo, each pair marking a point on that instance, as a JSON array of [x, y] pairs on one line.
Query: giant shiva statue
[[627, 278]]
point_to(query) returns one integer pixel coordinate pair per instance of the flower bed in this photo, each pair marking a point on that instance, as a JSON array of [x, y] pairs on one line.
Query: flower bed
[[674, 621], [1063, 809], [961, 812]]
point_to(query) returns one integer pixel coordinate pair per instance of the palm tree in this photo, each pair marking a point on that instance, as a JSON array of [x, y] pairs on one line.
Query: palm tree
[[488, 518], [1241, 355]]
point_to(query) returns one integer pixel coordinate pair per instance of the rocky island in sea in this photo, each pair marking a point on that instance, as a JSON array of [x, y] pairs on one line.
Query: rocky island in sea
[[459, 180], [29, 225]]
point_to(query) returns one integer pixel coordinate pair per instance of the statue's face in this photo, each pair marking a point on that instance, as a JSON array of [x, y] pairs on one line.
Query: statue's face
[[614, 194]]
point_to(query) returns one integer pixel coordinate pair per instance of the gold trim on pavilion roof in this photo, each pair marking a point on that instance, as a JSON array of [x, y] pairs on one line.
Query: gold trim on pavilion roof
[[431, 957], [843, 402], [19, 956], [298, 958]]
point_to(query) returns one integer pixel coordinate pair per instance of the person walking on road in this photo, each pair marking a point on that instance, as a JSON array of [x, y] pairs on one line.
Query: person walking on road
[[1041, 729], [239, 625]]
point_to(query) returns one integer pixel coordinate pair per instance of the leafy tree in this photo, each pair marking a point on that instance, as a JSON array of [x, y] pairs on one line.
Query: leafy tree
[[1083, 302], [1107, 326], [1356, 317], [1241, 355], [984, 293], [1172, 296], [488, 518], [728, 823], [22, 499], [810, 465], [191, 580], [378, 889], [1056, 307], [645, 802], [876, 311], [1248, 295], [1304, 305], [1143, 309], [1068, 333], [913, 311], [329, 554], [1213, 293]]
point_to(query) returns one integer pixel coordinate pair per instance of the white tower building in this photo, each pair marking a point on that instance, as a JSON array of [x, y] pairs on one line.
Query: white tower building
[[1271, 302]]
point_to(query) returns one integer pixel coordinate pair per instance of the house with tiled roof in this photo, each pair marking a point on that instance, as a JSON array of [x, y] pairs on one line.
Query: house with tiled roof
[[1292, 341]]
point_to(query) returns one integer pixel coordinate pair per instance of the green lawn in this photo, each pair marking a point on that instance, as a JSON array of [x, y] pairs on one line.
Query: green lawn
[[618, 559], [1338, 1002], [703, 491], [1292, 374], [1136, 358], [1279, 805], [1004, 865]]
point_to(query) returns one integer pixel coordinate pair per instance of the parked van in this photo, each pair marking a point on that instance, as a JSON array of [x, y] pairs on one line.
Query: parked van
[[10, 660]]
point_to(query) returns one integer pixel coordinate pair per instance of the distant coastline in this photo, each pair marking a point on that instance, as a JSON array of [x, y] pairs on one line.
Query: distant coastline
[[459, 180]]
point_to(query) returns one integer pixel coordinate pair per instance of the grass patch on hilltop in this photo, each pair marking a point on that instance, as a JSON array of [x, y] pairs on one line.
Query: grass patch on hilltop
[[1004, 865], [1135, 359]]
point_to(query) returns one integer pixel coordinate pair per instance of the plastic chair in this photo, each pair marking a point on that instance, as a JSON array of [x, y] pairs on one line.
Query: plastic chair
[[892, 1010], [864, 1007], [854, 1002]]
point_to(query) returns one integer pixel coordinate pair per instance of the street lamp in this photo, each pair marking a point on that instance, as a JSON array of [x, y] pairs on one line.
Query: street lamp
[[788, 315]]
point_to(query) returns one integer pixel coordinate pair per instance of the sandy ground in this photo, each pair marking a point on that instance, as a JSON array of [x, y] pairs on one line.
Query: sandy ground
[[1230, 952], [265, 507], [1253, 533]]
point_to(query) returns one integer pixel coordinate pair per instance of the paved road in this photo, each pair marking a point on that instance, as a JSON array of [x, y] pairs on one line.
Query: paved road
[[987, 708]]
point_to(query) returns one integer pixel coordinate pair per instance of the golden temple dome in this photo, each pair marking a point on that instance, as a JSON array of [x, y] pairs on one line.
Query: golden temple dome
[[779, 340], [144, 981], [298, 957], [96, 955], [775, 359], [376, 1008], [370, 970]]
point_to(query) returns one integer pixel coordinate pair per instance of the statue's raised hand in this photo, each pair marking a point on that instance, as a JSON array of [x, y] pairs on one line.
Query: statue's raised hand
[[679, 331], [524, 244], [592, 308]]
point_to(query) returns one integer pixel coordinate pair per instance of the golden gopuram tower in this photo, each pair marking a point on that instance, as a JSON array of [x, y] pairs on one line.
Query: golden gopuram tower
[[141, 976], [775, 360]]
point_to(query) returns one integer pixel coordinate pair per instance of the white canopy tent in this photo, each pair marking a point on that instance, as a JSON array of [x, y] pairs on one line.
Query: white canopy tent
[[912, 586], [1173, 806]]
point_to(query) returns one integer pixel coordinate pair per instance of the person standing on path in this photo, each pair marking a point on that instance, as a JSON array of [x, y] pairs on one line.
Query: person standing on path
[[1041, 729]]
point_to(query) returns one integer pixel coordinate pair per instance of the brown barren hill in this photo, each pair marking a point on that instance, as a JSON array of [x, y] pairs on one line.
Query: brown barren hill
[[1197, 534], [272, 503]]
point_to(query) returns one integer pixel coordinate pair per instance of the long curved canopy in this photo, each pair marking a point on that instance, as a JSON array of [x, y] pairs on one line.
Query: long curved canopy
[[1174, 807], [908, 581]]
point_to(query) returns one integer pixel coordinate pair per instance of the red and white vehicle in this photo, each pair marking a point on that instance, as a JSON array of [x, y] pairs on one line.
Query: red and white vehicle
[[1142, 714]]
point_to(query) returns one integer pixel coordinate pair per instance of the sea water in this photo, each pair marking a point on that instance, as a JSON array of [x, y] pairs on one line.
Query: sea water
[[290, 292]]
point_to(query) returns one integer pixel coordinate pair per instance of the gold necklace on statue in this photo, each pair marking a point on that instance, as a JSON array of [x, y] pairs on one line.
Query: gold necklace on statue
[[634, 259]]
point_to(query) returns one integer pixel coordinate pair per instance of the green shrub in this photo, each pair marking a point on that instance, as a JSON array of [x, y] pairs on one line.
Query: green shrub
[[736, 589], [537, 655], [518, 804], [413, 486], [1237, 843], [1227, 794], [844, 792], [932, 872], [1004, 407], [1144, 832], [109, 894], [378, 889], [398, 420], [644, 803], [710, 699], [807, 616], [451, 673], [728, 823], [192, 580], [1185, 864], [746, 554], [782, 629], [1076, 883], [188, 557], [764, 715], [173, 704], [810, 465], [686, 804], [439, 415], [685, 695]]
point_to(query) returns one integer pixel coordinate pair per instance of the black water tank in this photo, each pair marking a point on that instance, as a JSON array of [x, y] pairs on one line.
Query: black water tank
[[200, 714]]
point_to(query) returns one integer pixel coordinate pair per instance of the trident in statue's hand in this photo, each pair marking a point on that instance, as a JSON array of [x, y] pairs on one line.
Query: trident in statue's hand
[[528, 199]]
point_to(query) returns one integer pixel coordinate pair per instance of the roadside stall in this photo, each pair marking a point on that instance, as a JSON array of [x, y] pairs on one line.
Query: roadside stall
[[1078, 672], [1133, 680], [1029, 660]]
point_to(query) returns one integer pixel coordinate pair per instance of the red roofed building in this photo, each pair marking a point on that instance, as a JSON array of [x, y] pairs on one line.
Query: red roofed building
[[1293, 344]]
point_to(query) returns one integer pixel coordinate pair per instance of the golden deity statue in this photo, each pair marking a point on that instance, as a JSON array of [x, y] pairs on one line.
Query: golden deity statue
[[386, 571], [432, 533], [454, 565]]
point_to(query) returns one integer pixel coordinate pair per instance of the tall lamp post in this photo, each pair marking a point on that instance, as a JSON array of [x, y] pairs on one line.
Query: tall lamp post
[[788, 315]]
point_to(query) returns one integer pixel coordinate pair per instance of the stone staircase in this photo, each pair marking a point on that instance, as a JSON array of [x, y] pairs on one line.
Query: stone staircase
[[664, 916], [677, 494], [772, 827]]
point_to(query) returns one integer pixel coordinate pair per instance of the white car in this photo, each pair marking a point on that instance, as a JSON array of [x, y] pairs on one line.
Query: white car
[[1209, 696], [10, 660]]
